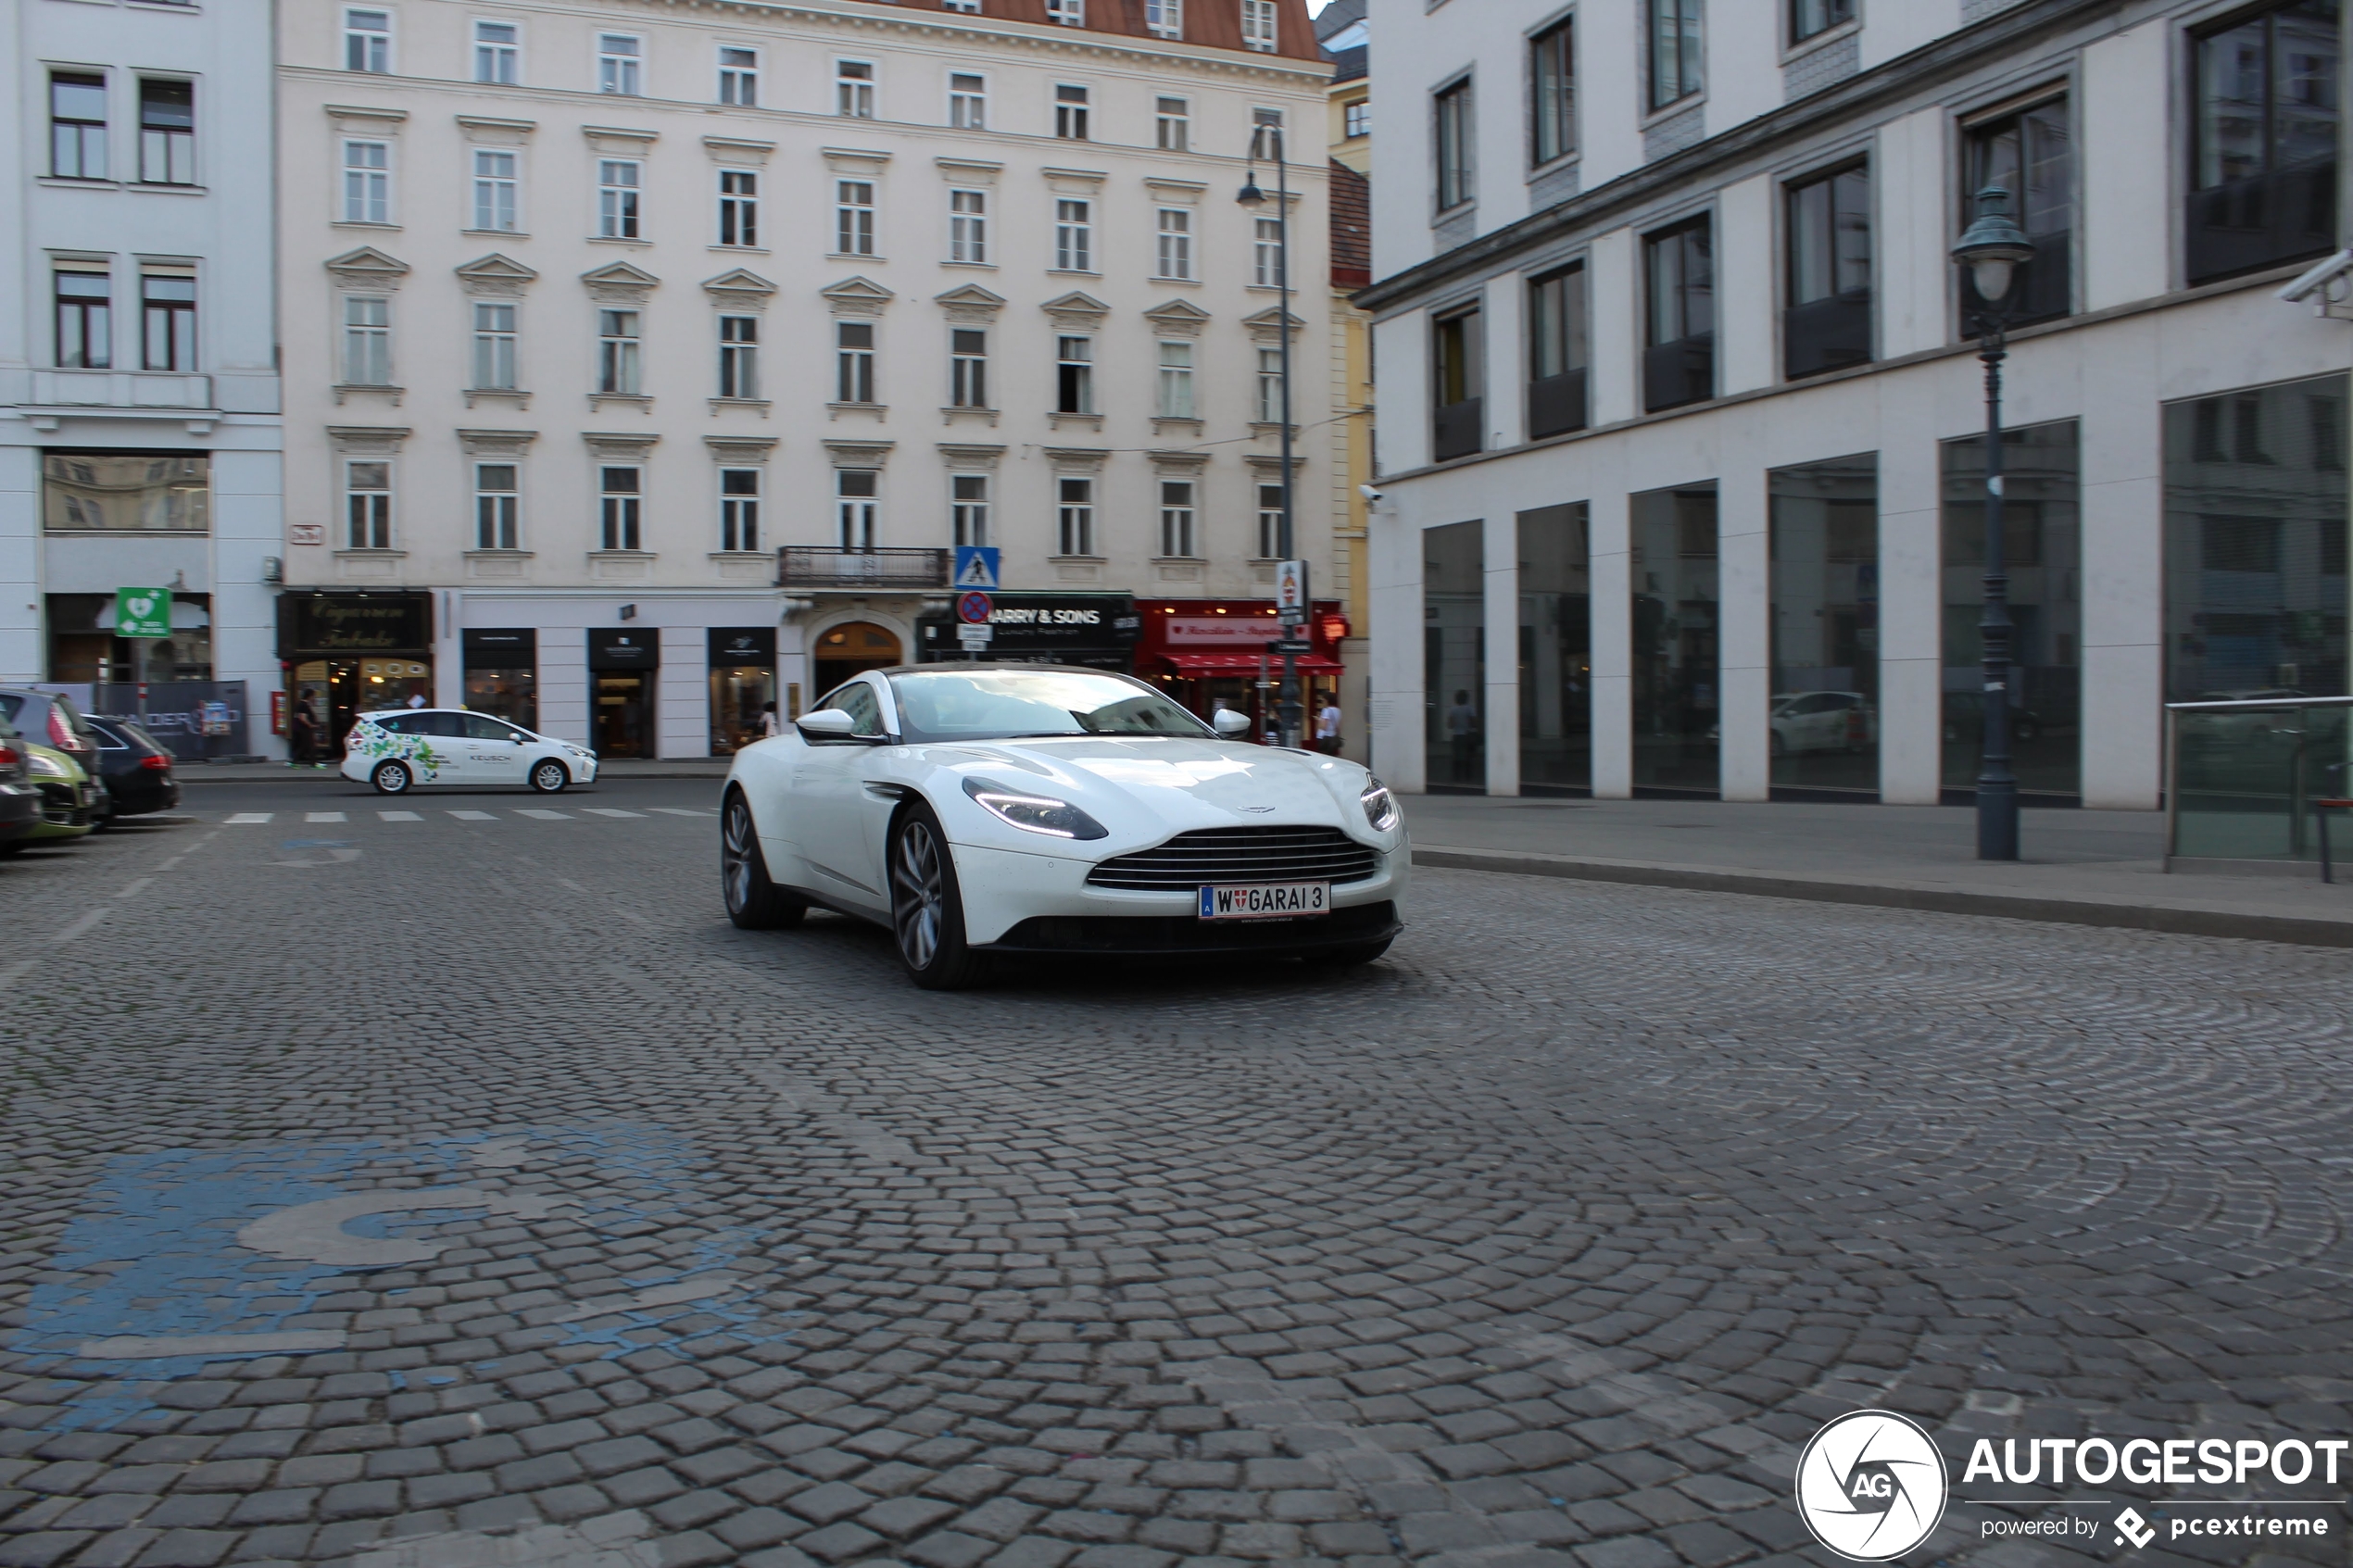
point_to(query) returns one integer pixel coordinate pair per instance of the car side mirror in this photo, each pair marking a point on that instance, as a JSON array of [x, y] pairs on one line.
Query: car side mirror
[[826, 723], [1229, 723], [520, 741]]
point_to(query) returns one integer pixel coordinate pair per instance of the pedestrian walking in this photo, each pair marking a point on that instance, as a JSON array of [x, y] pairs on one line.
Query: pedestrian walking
[[303, 740], [1327, 726], [769, 727]]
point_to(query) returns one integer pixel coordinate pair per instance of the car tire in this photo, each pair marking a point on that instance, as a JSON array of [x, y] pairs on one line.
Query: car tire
[[1349, 958], [928, 905], [390, 778], [754, 903], [549, 776]]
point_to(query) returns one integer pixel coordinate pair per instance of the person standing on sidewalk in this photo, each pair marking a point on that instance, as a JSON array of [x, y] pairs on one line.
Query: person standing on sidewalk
[[1462, 731], [1327, 726]]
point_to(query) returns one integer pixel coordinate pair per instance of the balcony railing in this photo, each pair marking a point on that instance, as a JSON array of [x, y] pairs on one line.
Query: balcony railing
[[1679, 372], [1555, 404], [1827, 334], [121, 389], [2262, 221], [816, 566], [1459, 428]]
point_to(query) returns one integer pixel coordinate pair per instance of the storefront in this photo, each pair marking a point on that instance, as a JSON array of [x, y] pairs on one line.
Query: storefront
[[345, 654], [625, 665], [742, 684], [1097, 630], [502, 673], [1212, 654], [850, 648]]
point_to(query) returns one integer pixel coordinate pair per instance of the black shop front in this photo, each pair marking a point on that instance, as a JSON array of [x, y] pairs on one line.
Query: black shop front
[[345, 654], [623, 665], [1097, 630]]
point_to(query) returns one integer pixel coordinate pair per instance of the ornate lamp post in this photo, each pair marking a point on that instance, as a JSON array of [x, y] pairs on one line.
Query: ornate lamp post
[[1990, 254], [1251, 197]]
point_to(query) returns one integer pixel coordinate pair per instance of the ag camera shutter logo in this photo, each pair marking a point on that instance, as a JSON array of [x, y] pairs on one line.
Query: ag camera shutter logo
[[1871, 1486]]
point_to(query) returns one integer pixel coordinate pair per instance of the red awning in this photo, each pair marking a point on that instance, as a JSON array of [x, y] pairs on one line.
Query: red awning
[[1244, 664]]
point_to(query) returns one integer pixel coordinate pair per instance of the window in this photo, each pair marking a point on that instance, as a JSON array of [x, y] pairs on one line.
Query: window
[[367, 41], [853, 361], [619, 503], [2264, 170], [1270, 521], [495, 185], [1828, 321], [617, 198], [1458, 381], [497, 53], [367, 182], [366, 341], [167, 132], [1074, 375], [1070, 13], [1165, 17], [854, 493], [1177, 518], [1268, 406], [620, 64], [1557, 352], [739, 509], [969, 7], [1258, 25], [739, 81], [494, 347], [1075, 516], [1551, 71], [366, 490], [2030, 151], [1175, 256], [1808, 17], [77, 126], [738, 207], [1674, 73], [1266, 253], [739, 356], [968, 368], [168, 308], [1175, 117], [854, 89], [854, 218], [496, 505], [1356, 118], [1454, 147], [968, 508], [617, 345], [1071, 110], [967, 101], [1270, 118], [1678, 365], [86, 321], [1175, 399], [1074, 236], [968, 226]]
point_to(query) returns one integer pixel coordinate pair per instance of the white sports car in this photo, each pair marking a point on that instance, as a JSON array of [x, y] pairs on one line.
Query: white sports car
[[1045, 811]]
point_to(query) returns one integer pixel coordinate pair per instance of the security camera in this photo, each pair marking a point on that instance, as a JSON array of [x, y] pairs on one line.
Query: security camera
[[1369, 494]]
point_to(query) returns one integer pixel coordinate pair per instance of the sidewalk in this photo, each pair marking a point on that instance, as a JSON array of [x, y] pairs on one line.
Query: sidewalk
[[280, 772], [2090, 867]]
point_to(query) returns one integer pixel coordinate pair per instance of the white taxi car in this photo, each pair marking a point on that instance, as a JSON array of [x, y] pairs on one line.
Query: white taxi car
[[398, 750]]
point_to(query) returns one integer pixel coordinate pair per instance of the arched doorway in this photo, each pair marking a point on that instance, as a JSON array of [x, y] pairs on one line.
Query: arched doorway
[[854, 646]]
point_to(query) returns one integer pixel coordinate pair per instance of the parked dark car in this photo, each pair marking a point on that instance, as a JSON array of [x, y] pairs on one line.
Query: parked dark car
[[135, 768], [19, 797], [50, 719]]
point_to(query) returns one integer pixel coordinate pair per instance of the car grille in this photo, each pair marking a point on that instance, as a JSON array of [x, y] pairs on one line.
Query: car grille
[[1215, 855]]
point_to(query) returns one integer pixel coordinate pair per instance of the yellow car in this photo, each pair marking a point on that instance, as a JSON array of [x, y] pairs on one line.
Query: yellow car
[[69, 797]]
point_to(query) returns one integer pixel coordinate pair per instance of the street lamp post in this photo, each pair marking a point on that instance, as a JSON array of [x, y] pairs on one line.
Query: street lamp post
[[1252, 198], [1990, 254]]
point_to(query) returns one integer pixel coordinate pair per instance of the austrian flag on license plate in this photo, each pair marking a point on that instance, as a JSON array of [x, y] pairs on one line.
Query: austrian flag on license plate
[[1266, 901]]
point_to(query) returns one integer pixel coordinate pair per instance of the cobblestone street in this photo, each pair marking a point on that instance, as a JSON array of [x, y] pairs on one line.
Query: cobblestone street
[[423, 1192]]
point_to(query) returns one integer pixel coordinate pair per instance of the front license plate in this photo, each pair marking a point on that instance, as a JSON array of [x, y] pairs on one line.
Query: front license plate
[[1265, 900]]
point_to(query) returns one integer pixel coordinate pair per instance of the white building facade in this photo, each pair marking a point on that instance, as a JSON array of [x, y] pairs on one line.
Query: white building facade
[[653, 358], [139, 412], [1682, 413]]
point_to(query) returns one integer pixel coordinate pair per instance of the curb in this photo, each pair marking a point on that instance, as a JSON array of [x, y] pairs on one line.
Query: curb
[[2293, 929]]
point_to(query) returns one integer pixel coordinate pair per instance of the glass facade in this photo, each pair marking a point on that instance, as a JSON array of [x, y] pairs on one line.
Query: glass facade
[[2041, 547], [1555, 649], [1824, 718], [1676, 623], [2254, 542], [126, 491], [1455, 655]]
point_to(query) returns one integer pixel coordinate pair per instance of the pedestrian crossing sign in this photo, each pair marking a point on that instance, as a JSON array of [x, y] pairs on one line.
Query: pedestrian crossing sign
[[976, 567]]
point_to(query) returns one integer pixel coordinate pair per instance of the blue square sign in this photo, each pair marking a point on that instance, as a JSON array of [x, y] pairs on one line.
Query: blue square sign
[[976, 567]]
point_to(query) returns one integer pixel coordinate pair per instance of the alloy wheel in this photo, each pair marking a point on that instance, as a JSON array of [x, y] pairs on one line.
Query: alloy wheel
[[734, 855], [921, 895]]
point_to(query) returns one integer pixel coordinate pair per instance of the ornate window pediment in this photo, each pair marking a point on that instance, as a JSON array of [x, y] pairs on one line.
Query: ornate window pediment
[[857, 297], [367, 267], [494, 274]]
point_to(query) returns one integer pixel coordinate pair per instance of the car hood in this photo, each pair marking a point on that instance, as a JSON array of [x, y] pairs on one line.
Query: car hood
[[1145, 787]]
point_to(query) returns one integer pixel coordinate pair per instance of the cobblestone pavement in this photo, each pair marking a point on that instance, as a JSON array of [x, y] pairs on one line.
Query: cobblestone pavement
[[419, 1195]]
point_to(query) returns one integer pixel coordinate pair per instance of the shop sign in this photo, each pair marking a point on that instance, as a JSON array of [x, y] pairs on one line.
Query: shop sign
[[510, 648], [614, 649], [142, 612], [732, 645], [1237, 633], [315, 624]]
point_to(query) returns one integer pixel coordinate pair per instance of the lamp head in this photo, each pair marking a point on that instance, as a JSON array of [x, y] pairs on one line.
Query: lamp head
[[1995, 247], [1251, 197]]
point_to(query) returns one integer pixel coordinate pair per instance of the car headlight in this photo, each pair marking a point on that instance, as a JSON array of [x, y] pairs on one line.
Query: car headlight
[[1380, 806], [46, 767], [1034, 813]]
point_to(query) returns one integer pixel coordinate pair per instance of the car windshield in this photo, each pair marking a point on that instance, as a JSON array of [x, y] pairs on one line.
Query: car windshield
[[998, 703]]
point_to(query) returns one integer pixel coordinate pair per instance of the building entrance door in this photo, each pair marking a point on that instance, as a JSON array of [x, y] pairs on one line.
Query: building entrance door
[[852, 648], [625, 713]]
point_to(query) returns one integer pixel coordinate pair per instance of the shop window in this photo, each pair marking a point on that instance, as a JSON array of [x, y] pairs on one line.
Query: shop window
[[1823, 718], [1555, 649], [502, 673], [1455, 656], [1675, 626]]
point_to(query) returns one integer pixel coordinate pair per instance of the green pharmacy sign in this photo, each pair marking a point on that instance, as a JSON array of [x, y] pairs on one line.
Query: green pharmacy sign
[[142, 612]]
